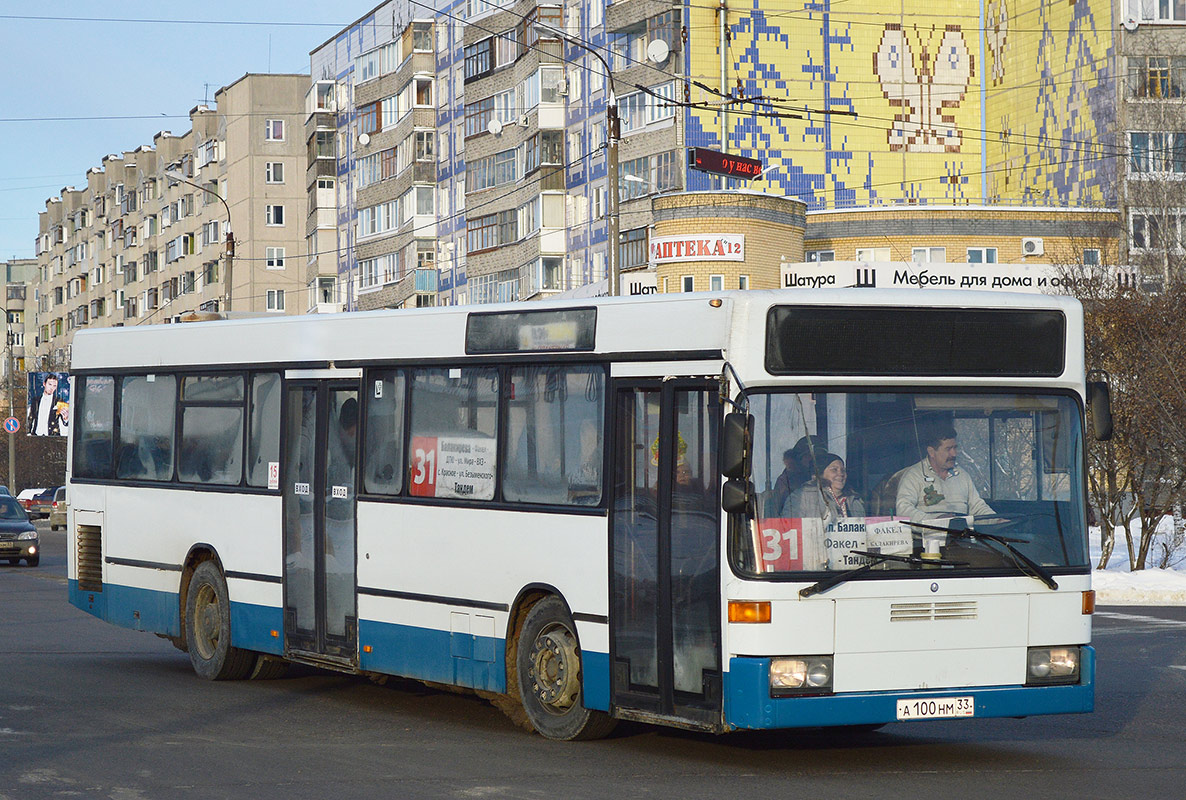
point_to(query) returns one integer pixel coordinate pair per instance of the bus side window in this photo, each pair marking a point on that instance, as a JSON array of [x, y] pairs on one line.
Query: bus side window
[[263, 435], [383, 436], [148, 408], [94, 425], [211, 429], [453, 452], [555, 440]]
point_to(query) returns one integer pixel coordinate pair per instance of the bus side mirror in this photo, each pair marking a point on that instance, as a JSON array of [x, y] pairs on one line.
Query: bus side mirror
[[1099, 403], [735, 496], [736, 440]]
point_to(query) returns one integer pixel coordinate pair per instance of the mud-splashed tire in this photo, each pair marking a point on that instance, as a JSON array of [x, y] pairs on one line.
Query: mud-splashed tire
[[208, 628], [548, 671]]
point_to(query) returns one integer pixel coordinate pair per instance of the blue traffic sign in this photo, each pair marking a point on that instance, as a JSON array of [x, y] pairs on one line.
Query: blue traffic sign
[[12, 424]]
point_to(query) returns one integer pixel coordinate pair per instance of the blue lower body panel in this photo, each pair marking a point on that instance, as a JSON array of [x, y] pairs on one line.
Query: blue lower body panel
[[160, 612], [477, 662], [748, 703]]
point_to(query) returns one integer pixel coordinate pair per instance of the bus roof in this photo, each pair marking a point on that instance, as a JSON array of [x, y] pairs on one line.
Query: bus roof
[[654, 327]]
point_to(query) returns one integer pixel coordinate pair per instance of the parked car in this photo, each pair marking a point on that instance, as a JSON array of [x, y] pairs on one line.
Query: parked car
[[42, 502], [18, 537], [57, 511], [4, 490], [25, 498]]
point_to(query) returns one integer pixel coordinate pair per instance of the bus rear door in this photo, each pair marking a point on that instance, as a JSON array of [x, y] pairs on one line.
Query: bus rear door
[[318, 476]]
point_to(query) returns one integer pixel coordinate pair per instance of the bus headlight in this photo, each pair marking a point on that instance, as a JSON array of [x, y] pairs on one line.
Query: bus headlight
[[800, 675], [1047, 665]]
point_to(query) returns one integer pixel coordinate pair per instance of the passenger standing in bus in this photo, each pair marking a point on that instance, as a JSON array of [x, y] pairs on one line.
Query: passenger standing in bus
[[935, 487], [800, 464]]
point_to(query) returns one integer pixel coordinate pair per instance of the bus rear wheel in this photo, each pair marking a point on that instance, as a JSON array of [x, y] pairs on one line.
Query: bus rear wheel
[[208, 628], [549, 673]]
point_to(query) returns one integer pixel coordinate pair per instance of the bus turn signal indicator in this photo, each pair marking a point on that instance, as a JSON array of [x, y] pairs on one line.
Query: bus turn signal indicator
[[749, 611]]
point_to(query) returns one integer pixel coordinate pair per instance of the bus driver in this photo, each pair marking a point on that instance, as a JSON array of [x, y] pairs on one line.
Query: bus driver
[[935, 487]]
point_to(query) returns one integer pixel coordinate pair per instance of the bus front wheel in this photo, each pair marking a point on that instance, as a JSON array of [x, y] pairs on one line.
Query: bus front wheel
[[208, 628], [549, 672]]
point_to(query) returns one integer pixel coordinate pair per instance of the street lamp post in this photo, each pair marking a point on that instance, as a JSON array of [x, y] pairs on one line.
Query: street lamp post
[[11, 409], [612, 134], [174, 175]]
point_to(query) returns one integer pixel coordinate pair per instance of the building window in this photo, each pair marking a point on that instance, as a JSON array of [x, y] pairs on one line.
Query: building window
[[1156, 230], [477, 59], [274, 172], [872, 254], [1091, 257], [369, 118], [274, 257], [1157, 153], [1156, 77], [422, 37], [274, 130], [1163, 11], [481, 233], [928, 255], [688, 283], [275, 215], [981, 255], [424, 92], [743, 281], [425, 145], [275, 299], [632, 250], [716, 283], [814, 256]]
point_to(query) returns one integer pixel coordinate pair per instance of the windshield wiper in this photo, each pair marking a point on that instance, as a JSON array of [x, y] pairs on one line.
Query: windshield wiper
[[878, 558], [1023, 562]]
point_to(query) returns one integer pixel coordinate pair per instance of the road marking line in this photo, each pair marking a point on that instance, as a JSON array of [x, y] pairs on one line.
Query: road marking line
[[1173, 623]]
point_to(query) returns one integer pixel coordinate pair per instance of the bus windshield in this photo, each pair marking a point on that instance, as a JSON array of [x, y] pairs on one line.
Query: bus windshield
[[838, 472]]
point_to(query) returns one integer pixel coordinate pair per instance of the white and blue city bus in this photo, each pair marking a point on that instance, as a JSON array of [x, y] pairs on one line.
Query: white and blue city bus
[[581, 510]]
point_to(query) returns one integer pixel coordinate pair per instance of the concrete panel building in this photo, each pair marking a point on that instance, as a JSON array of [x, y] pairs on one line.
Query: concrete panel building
[[145, 240]]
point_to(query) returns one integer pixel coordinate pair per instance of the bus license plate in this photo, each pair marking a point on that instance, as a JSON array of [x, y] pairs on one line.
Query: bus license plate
[[936, 708]]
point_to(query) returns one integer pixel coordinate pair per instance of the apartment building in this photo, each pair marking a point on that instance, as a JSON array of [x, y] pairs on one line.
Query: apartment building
[[18, 274], [1152, 133], [470, 151], [146, 239], [468, 137]]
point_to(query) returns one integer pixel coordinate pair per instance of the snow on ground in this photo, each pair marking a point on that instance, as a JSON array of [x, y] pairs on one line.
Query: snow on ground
[[1118, 586]]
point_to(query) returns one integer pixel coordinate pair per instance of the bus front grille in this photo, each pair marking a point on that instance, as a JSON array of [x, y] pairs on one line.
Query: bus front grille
[[928, 612], [90, 557]]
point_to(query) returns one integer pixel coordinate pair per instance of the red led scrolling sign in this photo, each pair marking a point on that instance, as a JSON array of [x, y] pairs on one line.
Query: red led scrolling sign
[[719, 163]]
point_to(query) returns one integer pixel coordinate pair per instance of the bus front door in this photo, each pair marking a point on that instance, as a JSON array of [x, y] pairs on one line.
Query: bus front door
[[318, 478], [665, 612]]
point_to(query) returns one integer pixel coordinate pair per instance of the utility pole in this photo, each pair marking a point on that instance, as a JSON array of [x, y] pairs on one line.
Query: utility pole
[[12, 487], [175, 175], [613, 132]]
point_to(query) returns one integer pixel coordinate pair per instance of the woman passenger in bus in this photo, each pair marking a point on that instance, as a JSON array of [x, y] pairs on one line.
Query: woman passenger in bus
[[828, 497]]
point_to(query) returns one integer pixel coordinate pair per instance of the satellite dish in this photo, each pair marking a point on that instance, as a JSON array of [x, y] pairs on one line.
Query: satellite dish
[[658, 51], [364, 139], [494, 126], [1130, 24]]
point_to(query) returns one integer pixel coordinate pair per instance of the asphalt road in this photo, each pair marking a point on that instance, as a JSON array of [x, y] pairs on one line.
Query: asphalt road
[[94, 711]]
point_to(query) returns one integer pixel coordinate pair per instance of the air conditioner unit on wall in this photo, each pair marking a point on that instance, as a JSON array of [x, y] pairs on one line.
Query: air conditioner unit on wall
[[1032, 247]]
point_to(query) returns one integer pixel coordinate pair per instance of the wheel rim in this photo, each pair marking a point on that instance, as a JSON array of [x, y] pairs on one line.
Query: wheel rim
[[555, 669], [207, 621]]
